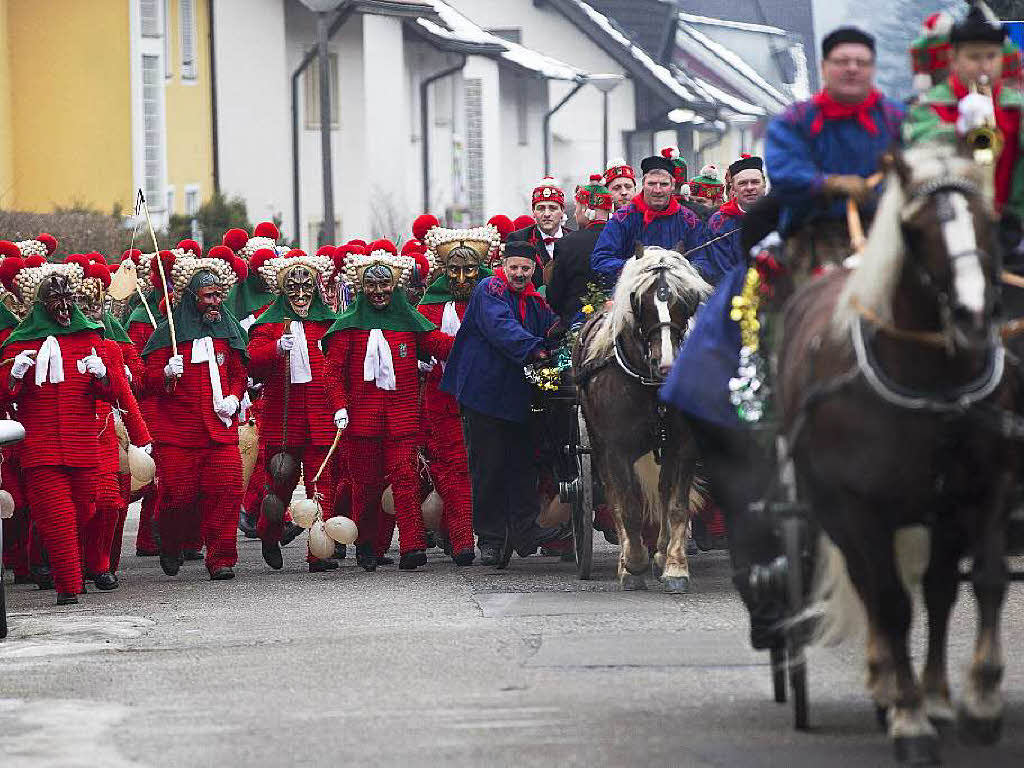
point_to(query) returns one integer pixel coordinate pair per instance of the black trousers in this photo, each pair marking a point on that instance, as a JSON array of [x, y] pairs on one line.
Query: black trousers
[[504, 477]]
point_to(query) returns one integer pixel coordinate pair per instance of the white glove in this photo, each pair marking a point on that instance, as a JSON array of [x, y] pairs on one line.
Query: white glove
[[975, 110], [128, 374], [426, 367], [341, 418], [175, 367], [93, 365], [22, 363], [228, 407], [285, 344], [147, 449]]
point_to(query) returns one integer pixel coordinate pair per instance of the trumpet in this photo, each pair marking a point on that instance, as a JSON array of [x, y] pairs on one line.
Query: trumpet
[[987, 140]]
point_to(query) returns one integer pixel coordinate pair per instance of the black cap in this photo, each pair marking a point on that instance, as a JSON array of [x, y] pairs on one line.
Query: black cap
[[980, 25], [846, 35], [521, 249], [657, 163], [746, 164]]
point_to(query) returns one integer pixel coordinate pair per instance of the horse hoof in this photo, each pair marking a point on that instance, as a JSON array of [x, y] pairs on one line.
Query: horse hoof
[[882, 717], [976, 731], [940, 713], [917, 750], [677, 585], [631, 582]]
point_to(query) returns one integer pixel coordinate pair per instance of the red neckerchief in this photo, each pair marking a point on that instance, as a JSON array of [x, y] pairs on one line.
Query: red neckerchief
[[1007, 120], [649, 214], [830, 109], [732, 208], [529, 290]]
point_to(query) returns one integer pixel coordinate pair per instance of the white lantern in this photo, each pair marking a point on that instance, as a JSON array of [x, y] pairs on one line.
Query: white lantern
[[141, 465], [431, 509], [388, 501], [320, 544], [6, 505], [304, 512], [342, 529]]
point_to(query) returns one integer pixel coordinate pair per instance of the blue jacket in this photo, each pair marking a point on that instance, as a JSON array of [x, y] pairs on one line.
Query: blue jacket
[[626, 228], [484, 371], [720, 256], [798, 162]]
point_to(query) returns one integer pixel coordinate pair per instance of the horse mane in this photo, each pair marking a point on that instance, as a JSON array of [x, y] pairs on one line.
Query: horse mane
[[637, 277], [872, 282]]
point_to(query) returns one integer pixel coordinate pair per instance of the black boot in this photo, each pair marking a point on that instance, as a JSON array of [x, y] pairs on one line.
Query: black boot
[[224, 573], [413, 559], [41, 576], [465, 557], [170, 563], [366, 557], [290, 533], [340, 552], [247, 525], [106, 582], [490, 554], [191, 555], [319, 566], [272, 555], [66, 599]]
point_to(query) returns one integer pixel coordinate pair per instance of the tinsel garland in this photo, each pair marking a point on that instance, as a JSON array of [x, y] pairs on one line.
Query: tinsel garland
[[549, 377], [749, 391]]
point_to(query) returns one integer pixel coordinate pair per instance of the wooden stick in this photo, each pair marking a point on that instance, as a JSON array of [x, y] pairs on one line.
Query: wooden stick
[[1011, 279], [330, 453], [853, 221], [163, 277]]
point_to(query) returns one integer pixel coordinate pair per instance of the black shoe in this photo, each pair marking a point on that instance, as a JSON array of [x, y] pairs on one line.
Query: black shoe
[[25, 579], [272, 555], [41, 576], [536, 537], [171, 564], [366, 557], [191, 555], [490, 554], [340, 552], [147, 552], [720, 542], [247, 525], [290, 533], [413, 559], [106, 582], [224, 573], [385, 560], [465, 557], [66, 599], [430, 539], [319, 566]]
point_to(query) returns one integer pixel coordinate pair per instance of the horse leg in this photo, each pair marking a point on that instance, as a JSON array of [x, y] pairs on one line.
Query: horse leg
[[981, 714], [941, 582], [674, 492], [623, 496]]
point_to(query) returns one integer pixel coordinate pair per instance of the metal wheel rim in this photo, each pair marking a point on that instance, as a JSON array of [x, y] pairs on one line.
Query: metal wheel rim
[[583, 503]]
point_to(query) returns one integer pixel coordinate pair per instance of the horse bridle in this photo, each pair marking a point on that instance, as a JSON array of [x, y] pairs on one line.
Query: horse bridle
[[661, 290]]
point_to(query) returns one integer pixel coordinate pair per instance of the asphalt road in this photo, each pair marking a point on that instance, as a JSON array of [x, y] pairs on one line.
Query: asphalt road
[[445, 666]]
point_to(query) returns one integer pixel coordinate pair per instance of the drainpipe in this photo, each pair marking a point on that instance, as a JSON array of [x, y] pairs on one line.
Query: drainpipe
[[547, 125], [340, 18], [214, 134], [425, 124]]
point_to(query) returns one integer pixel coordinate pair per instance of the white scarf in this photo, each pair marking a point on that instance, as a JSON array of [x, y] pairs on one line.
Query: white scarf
[[247, 323], [203, 352], [49, 363], [298, 358], [378, 365], [450, 322]]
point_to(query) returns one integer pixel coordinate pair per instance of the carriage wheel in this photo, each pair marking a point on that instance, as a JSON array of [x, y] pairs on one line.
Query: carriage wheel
[[778, 662], [583, 502], [793, 531]]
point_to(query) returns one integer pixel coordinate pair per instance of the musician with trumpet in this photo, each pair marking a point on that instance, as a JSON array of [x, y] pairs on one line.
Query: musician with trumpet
[[974, 105]]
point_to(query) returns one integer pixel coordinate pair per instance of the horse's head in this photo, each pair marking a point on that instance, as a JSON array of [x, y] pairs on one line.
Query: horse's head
[[952, 260], [657, 295]]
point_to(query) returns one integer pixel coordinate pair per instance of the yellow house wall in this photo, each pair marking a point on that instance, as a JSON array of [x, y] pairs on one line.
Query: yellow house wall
[[7, 190], [189, 122], [70, 99]]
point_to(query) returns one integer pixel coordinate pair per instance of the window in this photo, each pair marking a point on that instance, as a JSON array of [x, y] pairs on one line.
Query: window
[[170, 200], [149, 15], [311, 91], [187, 11], [191, 200], [522, 110], [152, 127], [168, 66]]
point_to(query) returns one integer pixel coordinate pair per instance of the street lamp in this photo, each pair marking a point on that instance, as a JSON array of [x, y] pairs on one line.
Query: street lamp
[[322, 9], [605, 84]]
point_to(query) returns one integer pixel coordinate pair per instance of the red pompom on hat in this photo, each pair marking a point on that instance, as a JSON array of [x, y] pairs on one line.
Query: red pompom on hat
[[9, 250], [49, 241], [10, 267], [97, 258], [422, 266], [260, 258], [35, 261], [357, 241], [326, 250], [221, 252], [413, 246], [78, 258], [99, 272], [241, 269], [382, 245], [168, 261], [235, 239], [191, 246], [503, 224], [295, 253], [267, 229], [423, 224], [522, 222], [133, 254]]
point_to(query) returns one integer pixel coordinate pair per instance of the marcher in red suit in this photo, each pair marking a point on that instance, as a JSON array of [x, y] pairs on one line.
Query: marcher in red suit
[[373, 387], [197, 393], [285, 355], [113, 487], [460, 254], [59, 369]]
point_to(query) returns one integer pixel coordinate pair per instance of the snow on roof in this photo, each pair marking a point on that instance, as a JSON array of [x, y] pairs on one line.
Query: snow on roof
[[713, 93], [692, 18], [662, 73], [801, 86], [732, 64], [461, 29]]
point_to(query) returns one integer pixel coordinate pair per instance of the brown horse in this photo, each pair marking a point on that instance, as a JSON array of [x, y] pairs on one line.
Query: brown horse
[[891, 377], [643, 451]]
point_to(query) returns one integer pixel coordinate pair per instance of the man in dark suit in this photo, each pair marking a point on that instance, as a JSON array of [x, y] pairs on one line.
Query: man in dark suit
[[548, 211], [571, 264]]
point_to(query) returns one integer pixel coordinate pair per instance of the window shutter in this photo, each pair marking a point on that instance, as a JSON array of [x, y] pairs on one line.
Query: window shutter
[[188, 38], [152, 82], [149, 11]]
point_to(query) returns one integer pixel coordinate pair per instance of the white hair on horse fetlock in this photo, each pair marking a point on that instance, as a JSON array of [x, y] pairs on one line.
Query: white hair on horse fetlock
[[637, 277], [872, 282]]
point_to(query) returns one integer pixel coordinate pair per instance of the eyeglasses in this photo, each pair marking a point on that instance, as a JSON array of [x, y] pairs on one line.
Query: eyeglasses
[[859, 63]]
